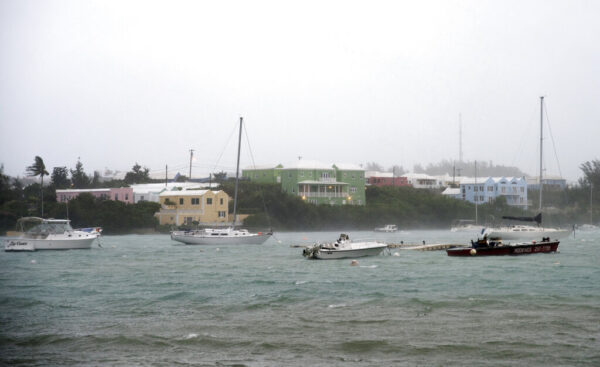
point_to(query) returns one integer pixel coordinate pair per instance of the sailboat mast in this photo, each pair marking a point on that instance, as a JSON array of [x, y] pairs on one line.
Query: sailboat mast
[[237, 172], [591, 202], [541, 146], [476, 202]]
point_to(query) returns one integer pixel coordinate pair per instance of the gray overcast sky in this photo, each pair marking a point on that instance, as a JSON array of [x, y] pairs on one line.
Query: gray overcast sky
[[115, 82]]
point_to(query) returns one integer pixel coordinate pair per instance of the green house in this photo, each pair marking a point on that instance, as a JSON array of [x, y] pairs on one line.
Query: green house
[[315, 182]]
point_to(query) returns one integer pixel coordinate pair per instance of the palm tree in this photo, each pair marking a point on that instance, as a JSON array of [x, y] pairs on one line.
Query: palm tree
[[38, 168]]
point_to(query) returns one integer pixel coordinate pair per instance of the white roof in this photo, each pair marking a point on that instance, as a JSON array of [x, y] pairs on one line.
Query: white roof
[[307, 164], [187, 193], [379, 174], [482, 180], [349, 167], [262, 166], [451, 191], [158, 187], [83, 190], [422, 176]]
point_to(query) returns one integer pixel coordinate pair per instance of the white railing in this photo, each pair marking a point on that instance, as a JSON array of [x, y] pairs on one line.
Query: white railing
[[323, 194], [327, 179]]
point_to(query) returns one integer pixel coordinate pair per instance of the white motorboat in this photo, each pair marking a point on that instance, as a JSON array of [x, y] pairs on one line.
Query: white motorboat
[[343, 248], [389, 228], [48, 234], [226, 236]]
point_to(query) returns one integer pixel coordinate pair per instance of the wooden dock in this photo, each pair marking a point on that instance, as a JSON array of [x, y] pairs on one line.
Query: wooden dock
[[424, 247]]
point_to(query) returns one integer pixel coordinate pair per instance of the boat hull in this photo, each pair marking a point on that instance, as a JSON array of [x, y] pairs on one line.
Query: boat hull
[[30, 244], [518, 249], [190, 239], [325, 254], [528, 234]]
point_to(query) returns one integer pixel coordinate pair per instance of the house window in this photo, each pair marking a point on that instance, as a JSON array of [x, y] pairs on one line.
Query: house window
[[481, 198], [188, 220], [142, 198], [195, 201], [116, 196], [126, 196], [503, 190], [475, 188], [221, 214], [180, 201], [353, 189], [221, 201], [301, 173], [522, 189], [208, 201]]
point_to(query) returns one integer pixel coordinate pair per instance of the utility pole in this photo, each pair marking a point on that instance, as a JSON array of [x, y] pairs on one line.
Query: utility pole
[[191, 156], [166, 174]]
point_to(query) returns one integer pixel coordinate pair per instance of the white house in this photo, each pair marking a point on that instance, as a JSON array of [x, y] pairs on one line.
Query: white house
[[152, 191], [486, 190], [423, 181]]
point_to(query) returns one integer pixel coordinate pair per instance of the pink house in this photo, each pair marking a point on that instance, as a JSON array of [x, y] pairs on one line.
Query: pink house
[[124, 194]]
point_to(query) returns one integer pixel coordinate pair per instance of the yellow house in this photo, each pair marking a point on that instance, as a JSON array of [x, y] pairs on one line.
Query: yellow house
[[188, 206]]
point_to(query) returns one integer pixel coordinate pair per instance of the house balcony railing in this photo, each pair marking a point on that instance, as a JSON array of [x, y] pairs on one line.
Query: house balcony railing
[[323, 194], [327, 179]]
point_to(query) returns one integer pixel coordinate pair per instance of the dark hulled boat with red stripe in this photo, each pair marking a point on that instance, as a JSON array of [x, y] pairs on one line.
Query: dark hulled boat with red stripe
[[487, 247]]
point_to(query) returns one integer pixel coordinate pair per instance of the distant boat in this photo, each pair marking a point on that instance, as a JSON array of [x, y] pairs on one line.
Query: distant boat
[[343, 248], [227, 236], [466, 225], [48, 234], [489, 247], [387, 228]]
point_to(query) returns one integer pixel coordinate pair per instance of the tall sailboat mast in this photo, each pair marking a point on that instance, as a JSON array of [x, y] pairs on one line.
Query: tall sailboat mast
[[541, 146], [475, 190], [237, 173]]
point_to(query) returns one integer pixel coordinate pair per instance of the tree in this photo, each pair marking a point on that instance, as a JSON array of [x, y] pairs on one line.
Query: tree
[[96, 180], [372, 166], [38, 168], [591, 171], [137, 175], [78, 176], [60, 177], [219, 176]]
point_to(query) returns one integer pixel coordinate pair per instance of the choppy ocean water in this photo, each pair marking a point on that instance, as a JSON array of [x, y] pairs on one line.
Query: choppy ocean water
[[145, 300]]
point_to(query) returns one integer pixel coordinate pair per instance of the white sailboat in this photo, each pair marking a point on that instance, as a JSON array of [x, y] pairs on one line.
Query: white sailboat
[[528, 231], [226, 236]]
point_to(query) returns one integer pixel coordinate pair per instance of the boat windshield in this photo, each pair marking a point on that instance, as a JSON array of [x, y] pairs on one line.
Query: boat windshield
[[50, 228]]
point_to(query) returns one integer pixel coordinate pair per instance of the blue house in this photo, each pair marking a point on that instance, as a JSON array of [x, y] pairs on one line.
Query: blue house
[[486, 190]]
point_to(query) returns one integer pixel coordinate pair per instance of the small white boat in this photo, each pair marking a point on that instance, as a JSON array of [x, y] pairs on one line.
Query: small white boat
[[48, 234], [343, 248], [226, 236], [387, 228], [466, 225]]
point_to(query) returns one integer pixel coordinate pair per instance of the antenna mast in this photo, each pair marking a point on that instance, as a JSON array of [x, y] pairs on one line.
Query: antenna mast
[[460, 152]]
